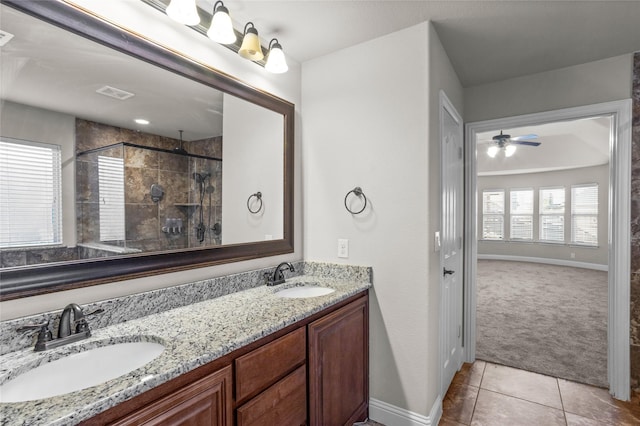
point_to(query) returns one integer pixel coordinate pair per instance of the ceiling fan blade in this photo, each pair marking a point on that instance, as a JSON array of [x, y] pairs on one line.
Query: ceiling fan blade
[[530, 143], [524, 137]]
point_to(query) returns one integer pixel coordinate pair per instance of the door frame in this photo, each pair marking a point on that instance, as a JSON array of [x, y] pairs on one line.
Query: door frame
[[618, 348], [445, 105]]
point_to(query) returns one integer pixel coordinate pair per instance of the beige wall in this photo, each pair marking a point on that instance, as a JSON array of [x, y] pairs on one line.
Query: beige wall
[[375, 125], [156, 26], [595, 255]]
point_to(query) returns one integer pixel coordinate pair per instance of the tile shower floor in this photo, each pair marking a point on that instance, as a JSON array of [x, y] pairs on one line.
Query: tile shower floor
[[493, 395]]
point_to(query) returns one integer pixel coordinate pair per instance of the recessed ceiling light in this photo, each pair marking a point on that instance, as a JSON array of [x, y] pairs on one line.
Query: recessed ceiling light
[[141, 121]]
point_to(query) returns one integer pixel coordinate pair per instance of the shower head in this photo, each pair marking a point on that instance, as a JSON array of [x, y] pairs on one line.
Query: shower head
[[200, 177]]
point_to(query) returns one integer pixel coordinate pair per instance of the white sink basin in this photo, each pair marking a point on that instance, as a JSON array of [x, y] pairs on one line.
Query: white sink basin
[[79, 371], [305, 291]]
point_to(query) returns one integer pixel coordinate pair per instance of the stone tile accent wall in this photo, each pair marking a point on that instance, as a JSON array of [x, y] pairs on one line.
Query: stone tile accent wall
[[635, 229], [145, 218]]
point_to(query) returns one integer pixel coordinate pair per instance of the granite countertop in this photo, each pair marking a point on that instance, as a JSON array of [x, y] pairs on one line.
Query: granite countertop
[[193, 335]]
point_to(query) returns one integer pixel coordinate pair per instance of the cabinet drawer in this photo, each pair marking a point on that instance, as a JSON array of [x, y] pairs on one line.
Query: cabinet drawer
[[283, 404], [264, 366]]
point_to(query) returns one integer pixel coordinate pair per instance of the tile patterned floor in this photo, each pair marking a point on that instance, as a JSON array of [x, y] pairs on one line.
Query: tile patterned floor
[[485, 394]]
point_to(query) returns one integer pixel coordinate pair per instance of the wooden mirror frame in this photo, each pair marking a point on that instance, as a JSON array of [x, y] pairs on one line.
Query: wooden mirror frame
[[32, 280]]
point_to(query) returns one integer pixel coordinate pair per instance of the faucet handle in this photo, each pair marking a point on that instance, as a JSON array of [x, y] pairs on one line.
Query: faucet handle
[[44, 334], [267, 278], [81, 322]]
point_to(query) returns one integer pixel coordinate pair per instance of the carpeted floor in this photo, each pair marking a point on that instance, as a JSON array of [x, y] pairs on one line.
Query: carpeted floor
[[543, 318]]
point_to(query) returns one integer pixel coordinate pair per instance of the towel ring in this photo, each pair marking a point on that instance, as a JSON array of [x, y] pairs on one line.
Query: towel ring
[[357, 191], [257, 195]]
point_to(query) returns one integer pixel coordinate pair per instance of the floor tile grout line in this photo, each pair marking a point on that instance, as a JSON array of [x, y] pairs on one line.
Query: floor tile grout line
[[564, 412], [525, 400], [475, 403]]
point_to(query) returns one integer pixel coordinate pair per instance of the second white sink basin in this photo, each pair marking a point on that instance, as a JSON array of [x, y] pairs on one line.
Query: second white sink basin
[[304, 291], [79, 371]]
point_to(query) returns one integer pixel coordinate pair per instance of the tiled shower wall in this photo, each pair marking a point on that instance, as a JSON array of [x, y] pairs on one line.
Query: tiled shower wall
[[635, 229], [145, 218]]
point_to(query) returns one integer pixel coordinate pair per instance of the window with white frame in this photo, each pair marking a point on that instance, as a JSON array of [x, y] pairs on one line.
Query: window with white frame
[[493, 214], [521, 214], [111, 189], [552, 201], [584, 214], [30, 193]]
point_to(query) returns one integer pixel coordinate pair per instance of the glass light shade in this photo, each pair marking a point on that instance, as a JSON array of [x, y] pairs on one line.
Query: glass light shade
[[221, 29], [492, 151], [276, 62], [509, 150], [251, 48], [184, 11]]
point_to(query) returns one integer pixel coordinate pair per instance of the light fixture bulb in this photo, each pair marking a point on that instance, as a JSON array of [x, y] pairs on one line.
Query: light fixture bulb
[[221, 29], [492, 151], [142, 121], [184, 11], [509, 150], [251, 48], [276, 62]]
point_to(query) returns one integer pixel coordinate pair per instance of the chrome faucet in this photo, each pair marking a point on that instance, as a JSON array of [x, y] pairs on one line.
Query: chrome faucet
[[65, 335], [278, 274]]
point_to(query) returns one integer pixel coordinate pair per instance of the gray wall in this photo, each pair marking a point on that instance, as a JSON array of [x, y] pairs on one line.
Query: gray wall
[[586, 84], [596, 255]]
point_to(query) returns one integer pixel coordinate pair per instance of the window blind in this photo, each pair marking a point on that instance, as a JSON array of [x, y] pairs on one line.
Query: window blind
[[30, 193], [584, 214], [111, 196], [521, 214], [552, 201], [493, 214]]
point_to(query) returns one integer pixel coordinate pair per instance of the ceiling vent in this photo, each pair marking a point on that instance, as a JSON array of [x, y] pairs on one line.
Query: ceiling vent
[[114, 92], [5, 37]]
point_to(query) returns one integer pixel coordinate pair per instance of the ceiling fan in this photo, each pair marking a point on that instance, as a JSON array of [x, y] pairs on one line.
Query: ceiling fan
[[508, 144]]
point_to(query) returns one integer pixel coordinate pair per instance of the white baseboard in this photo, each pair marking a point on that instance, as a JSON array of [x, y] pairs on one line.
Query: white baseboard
[[391, 415], [561, 262]]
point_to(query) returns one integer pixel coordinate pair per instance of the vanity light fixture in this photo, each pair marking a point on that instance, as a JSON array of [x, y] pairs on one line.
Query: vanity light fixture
[[251, 48], [142, 121], [221, 29], [184, 11], [276, 62]]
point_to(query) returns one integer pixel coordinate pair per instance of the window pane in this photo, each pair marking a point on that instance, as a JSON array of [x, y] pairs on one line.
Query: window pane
[[111, 187], [492, 227], [584, 214], [552, 201], [584, 230], [493, 202], [522, 227], [30, 188], [552, 228], [584, 199], [522, 201]]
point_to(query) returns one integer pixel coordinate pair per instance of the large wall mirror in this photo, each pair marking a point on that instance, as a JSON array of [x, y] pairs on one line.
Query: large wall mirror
[[121, 159]]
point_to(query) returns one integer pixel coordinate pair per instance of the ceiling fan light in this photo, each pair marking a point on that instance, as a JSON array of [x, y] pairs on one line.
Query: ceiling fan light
[[184, 11], [509, 150], [276, 62], [492, 151], [251, 48], [221, 29]]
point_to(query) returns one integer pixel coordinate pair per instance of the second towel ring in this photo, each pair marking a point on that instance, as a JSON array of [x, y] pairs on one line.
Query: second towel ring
[[357, 191], [257, 195]]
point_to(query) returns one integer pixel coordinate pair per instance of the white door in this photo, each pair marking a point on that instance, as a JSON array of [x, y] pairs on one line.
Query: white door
[[451, 261]]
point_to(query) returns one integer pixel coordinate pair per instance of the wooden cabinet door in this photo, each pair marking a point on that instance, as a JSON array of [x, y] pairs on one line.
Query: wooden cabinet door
[[205, 402], [339, 366]]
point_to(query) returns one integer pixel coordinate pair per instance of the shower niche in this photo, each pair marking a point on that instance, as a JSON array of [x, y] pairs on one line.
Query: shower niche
[[148, 193]]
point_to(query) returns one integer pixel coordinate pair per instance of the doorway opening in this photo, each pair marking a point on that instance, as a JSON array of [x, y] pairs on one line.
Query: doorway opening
[[545, 225]]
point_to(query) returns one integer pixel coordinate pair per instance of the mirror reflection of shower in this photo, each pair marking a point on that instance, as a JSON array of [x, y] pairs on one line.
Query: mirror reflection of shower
[[204, 187]]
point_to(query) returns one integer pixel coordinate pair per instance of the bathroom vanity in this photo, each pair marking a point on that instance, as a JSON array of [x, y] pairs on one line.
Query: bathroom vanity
[[248, 357], [265, 383]]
